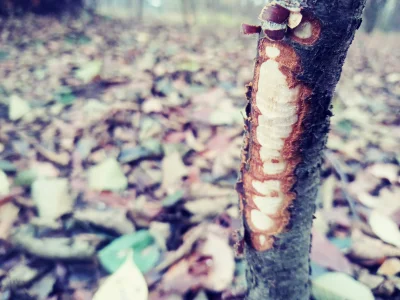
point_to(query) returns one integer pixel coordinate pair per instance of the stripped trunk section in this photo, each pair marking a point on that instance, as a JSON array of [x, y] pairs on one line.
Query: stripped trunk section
[[279, 106], [278, 101]]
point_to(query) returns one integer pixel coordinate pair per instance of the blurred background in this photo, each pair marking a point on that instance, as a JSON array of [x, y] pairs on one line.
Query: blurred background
[[120, 134]]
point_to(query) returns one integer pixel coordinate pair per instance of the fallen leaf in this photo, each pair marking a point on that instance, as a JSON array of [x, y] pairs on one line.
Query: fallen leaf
[[339, 286], [127, 283], [7, 166], [111, 219], [52, 197], [18, 108], [326, 254], [146, 253], [385, 228], [390, 267], [173, 169], [8, 215], [365, 247], [89, 71], [20, 275], [206, 207], [222, 270], [388, 171], [211, 266], [151, 148], [4, 184], [370, 280], [107, 176], [174, 198], [53, 248], [42, 288]]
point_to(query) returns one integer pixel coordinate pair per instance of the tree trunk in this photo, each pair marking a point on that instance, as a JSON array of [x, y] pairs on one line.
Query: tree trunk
[[301, 49], [371, 14], [185, 12], [140, 10]]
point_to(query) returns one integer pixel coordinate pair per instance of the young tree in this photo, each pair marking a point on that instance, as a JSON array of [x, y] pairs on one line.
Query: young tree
[[301, 49]]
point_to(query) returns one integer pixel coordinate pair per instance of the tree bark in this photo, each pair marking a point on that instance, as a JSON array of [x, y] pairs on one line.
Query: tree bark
[[296, 70]]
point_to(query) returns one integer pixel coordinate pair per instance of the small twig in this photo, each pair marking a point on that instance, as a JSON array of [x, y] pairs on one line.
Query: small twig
[[344, 182]]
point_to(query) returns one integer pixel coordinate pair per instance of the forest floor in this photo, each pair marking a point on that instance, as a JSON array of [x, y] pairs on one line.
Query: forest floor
[[118, 139]]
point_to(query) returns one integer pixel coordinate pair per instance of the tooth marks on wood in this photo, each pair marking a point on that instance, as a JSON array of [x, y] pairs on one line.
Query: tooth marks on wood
[[308, 31], [278, 102]]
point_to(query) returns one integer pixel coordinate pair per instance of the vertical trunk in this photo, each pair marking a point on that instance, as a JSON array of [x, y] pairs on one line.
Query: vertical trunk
[[193, 10], [371, 14], [185, 14], [140, 10], [389, 18], [301, 49]]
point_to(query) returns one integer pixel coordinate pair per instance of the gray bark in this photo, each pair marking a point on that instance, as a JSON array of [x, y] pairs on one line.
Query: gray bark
[[283, 272]]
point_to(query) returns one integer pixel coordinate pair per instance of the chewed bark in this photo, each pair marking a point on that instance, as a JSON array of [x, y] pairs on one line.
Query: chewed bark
[[279, 106], [300, 53]]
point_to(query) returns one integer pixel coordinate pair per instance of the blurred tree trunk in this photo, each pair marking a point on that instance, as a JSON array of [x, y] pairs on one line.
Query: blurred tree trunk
[[193, 9], [140, 10], [185, 13], [390, 17], [372, 11], [296, 72]]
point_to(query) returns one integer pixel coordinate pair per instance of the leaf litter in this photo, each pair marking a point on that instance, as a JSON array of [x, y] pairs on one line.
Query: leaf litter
[[128, 139]]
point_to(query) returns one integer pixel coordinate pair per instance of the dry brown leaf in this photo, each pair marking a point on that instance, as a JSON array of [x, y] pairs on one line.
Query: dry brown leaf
[[212, 266], [325, 254], [111, 219], [8, 215], [173, 169], [390, 267], [365, 247], [370, 280]]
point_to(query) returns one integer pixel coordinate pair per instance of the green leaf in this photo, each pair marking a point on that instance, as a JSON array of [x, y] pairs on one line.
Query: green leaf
[[3, 55], [339, 286], [317, 270], [26, 177], [147, 258], [172, 199], [146, 253], [7, 166], [345, 126], [342, 243], [65, 96], [77, 39]]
